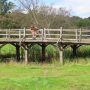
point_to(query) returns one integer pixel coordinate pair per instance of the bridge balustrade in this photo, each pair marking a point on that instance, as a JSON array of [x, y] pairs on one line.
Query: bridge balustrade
[[49, 35]]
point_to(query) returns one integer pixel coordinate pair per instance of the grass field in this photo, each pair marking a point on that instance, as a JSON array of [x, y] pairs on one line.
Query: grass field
[[74, 75], [44, 77]]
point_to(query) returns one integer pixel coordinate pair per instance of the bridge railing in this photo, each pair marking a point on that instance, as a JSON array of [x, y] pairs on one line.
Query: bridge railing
[[62, 34], [11, 34], [67, 35]]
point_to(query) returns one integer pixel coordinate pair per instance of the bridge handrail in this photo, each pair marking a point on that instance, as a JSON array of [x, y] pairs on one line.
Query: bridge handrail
[[47, 34]]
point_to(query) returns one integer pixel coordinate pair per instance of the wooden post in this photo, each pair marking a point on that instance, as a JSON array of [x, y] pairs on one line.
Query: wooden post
[[18, 52], [9, 34], [80, 36], [43, 34], [74, 51], [25, 47], [24, 34], [61, 34], [61, 55], [76, 35], [43, 52], [74, 48], [19, 34], [26, 56], [6, 33]]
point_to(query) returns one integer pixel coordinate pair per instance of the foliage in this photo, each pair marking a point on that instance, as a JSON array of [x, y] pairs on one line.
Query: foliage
[[8, 22], [5, 6], [44, 16], [52, 53], [84, 23], [81, 23], [35, 53]]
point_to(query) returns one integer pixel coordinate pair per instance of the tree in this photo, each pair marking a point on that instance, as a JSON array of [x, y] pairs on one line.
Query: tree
[[30, 6], [8, 22], [43, 15], [81, 22], [5, 6]]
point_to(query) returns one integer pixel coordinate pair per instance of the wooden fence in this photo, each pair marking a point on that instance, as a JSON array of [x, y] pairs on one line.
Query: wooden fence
[[56, 35]]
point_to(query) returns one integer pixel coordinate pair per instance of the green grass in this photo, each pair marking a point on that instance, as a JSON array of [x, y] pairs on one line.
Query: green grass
[[47, 76], [44, 77]]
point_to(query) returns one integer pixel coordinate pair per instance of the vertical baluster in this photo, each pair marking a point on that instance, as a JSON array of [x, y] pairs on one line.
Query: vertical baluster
[[80, 36], [76, 35], [19, 34], [6, 33], [43, 34], [61, 33], [9, 34], [24, 34]]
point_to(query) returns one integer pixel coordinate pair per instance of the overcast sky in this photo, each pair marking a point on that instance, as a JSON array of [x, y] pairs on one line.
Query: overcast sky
[[78, 7]]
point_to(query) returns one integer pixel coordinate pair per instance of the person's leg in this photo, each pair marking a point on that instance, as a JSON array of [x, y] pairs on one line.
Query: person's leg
[[33, 34]]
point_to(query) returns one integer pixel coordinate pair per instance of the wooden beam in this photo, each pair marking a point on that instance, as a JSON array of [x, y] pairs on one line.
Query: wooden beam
[[61, 58], [61, 51], [25, 47], [24, 33], [43, 34], [74, 50], [76, 35], [19, 34], [18, 52], [43, 52], [61, 30], [80, 35], [26, 56]]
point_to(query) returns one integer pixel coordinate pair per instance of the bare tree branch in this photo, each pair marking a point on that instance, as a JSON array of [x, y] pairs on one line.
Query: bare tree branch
[[42, 15]]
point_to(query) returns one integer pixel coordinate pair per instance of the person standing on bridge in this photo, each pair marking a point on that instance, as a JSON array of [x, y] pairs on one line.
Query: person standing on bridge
[[34, 30]]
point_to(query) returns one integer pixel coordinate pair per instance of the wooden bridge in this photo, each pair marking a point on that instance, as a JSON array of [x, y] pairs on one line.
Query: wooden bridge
[[57, 37]]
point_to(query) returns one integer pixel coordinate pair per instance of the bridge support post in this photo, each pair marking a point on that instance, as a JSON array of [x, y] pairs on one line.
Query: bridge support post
[[26, 56], [43, 52], [25, 47], [61, 56], [74, 48], [17, 52]]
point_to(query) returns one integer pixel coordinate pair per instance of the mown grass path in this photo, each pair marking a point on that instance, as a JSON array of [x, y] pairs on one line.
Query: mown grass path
[[44, 77]]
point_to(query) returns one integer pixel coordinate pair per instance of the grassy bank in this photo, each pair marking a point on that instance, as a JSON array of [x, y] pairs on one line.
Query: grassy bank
[[44, 77]]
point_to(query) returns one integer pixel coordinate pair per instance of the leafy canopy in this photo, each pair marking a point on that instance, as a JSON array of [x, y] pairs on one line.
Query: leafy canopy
[[5, 6]]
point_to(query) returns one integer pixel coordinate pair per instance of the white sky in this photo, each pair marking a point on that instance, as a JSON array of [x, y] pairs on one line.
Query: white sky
[[78, 7]]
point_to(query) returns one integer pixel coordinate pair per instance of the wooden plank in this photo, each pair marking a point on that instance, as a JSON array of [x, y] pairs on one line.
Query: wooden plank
[[52, 29], [68, 34], [52, 34], [76, 35], [61, 31], [87, 31], [19, 34], [69, 30]]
